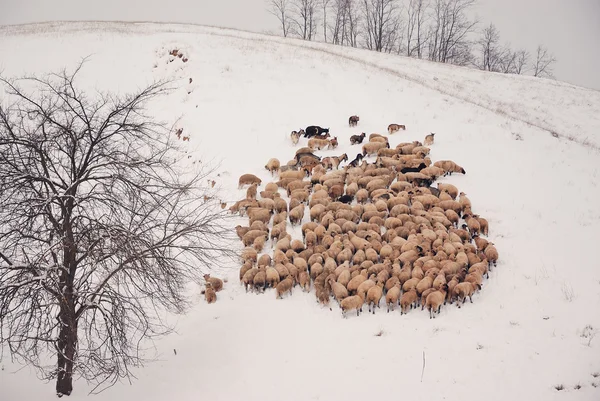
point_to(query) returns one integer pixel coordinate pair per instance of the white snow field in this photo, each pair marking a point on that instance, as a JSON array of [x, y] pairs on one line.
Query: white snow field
[[530, 148]]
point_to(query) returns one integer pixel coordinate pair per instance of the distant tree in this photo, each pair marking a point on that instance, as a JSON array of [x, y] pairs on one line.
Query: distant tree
[[281, 10], [492, 56], [325, 5], [521, 60], [415, 27], [543, 63], [305, 18], [345, 29], [449, 31], [100, 231], [381, 24]]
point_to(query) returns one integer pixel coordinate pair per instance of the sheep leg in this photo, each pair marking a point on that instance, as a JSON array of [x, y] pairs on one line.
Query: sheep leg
[[471, 299]]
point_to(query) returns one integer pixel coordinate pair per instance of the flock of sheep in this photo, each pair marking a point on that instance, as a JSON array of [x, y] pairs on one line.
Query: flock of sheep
[[377, 230]]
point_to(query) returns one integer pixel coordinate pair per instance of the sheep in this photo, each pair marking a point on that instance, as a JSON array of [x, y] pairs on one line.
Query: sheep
[[429, 139], [313, 130], [339, 291], [259, 280], [463, 290], [374, 295], [259, 243], [248, 179], [392, 296], [435, 300], [491, 253], [357, 139], [293, 175], [264, 260], [250, 236], [356, 160], [448, 188], [273, 165], [249, 254], [354, 302], [283, 287], [366, 285], [245, 267], [408, 298], [483, 224], [333, 143], [449, 166], [464, 201], [248, 278], [251, 192], [295, 137], [371, 148], [272, 277], [353, 121], [210, 294], [392, 128], [296, 214], [304, 280], [318, 144], [355, 282], [241, 231]]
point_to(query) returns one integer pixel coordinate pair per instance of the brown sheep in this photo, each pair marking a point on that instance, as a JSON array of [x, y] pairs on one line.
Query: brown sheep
[[374, 295], [273, 165], [371, 148], [248, 179], [283, 287], [491, 253], [392, 128], [354, 302], [210, 294], [429, 139], [353, 121], [463, 290], [449, 166], [251, 192], [392, 296], [408, 298], [260, 280], [295, 137], [435, 300]]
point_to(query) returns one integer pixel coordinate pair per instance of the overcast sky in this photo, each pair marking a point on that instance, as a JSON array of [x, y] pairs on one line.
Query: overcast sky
[[569, 28]]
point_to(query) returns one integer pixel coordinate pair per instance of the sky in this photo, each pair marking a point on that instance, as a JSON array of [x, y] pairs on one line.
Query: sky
[[569, 28]]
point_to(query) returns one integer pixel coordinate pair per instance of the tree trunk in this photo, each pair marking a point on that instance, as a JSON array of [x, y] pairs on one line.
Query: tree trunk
[[66, 345]]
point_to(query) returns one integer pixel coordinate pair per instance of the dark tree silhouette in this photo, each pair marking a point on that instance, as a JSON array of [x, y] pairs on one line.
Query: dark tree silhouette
[[100, 230]]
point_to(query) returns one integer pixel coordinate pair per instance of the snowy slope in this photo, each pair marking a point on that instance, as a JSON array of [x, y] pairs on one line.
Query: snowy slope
[[522, 335]]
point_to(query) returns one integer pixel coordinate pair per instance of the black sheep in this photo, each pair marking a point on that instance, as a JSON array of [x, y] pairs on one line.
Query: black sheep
[[346, 199], [357, 160], [413, 169], [314, 130], [355, 139]]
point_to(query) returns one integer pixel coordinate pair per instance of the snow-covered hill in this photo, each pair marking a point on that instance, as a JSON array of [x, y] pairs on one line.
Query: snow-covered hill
[[531, 151]]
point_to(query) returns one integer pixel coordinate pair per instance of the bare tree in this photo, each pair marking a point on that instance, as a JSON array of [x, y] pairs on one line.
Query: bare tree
[[325, 4], [449, 32], [543, 63], [281, 10], [381, 24], [305, 19], [521, 60], [100, 230], [415, 27], [492, 56]]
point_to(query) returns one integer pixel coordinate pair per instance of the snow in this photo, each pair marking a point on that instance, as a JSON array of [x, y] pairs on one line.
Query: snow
[[526, 331]]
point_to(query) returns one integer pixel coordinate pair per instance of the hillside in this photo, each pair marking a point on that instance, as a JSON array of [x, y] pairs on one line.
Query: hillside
[[530, 148]]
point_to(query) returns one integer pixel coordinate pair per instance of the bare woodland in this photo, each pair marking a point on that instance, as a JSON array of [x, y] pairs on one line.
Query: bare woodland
[[100, 233], [444, 31]]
